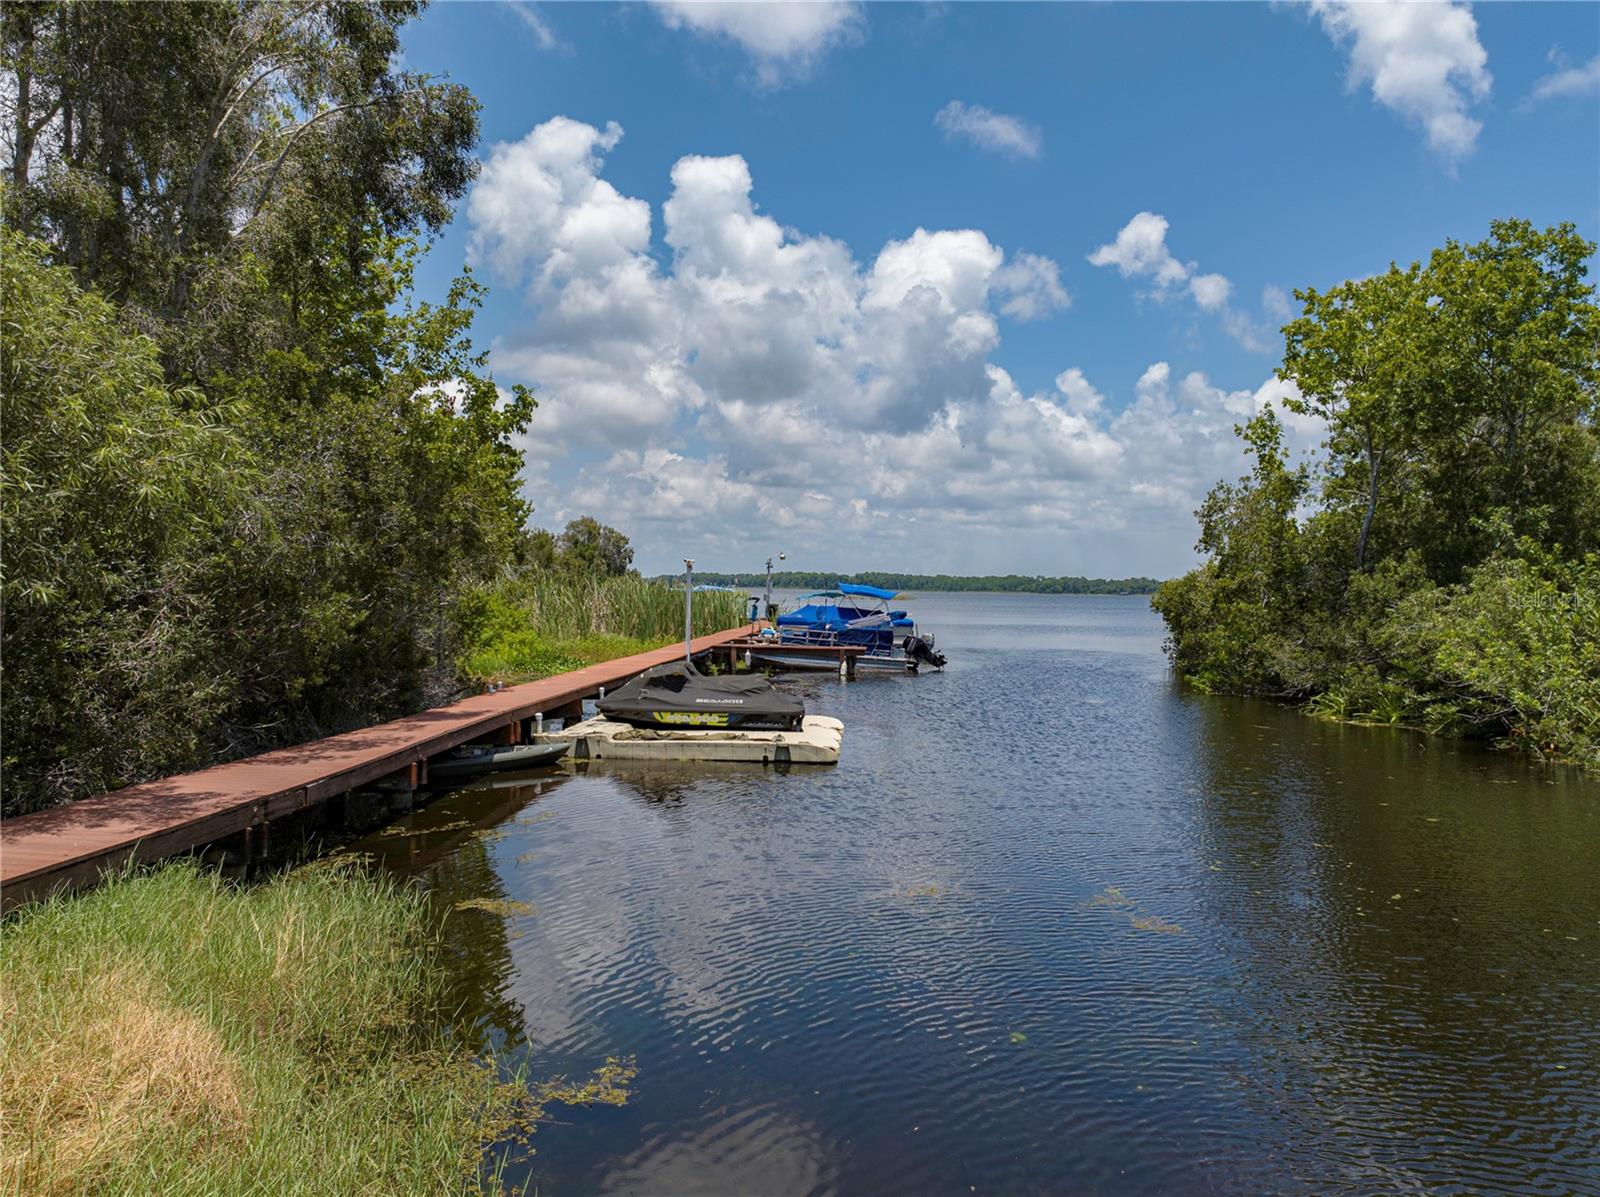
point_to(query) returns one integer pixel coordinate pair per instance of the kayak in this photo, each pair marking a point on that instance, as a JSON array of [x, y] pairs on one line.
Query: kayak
[[484, 758]]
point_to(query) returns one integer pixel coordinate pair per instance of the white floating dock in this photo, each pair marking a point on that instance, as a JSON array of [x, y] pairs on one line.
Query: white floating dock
[[599, 739]]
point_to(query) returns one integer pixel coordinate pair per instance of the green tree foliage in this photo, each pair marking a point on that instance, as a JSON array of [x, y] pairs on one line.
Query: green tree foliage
[[112, 484], [393, 488], [586, 546], [154, 143], [248, 476], [1444, 575], [191, 576], [1227, 622]]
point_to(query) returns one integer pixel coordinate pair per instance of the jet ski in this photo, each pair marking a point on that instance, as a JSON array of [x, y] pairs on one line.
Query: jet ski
[[680, 696]]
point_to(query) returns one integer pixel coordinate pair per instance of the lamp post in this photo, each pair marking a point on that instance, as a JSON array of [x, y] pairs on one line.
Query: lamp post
[[688, 610], [781, 557]]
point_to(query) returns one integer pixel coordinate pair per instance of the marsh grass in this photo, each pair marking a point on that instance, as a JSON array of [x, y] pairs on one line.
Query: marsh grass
[[547, 624], [171, 1033]]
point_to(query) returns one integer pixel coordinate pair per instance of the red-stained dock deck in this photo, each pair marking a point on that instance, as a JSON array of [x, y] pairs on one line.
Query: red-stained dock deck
[[69, 846]]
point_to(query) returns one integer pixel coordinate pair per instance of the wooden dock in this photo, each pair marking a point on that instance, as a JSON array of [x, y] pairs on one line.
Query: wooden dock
[[72, 845]]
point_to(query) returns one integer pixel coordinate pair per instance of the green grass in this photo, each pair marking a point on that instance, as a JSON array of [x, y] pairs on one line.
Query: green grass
[[533, 628], [172, 1033]]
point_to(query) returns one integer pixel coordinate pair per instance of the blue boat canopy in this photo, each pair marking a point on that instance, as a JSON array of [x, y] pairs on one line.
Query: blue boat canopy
[[868, 591]]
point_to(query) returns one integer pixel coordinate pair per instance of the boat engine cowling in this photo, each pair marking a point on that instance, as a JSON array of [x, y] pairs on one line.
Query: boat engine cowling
[[919, 651]]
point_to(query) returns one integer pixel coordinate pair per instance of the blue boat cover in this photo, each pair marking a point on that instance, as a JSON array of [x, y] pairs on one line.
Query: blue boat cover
[[870, 591]]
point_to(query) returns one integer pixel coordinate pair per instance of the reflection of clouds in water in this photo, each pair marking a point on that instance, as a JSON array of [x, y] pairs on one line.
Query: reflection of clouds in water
[[578, 956], [759, 1149]]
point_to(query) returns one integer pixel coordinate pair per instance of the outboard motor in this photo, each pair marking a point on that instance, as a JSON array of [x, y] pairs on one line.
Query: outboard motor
[[920, 651]]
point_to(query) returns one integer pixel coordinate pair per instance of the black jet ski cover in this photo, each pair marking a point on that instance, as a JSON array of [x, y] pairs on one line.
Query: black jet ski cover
[[678, 696]]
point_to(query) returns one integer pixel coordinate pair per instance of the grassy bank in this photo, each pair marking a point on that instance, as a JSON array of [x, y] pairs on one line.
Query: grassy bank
[[534, 627], [170, 1033]]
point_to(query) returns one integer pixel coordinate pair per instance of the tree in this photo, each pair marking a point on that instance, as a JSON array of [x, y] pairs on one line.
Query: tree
[[1356, 355], [1514, 367], [112, 486], [587, 546], [286, 123], [1463, 471], [325, 466], [1455, 390], [1226, 620]]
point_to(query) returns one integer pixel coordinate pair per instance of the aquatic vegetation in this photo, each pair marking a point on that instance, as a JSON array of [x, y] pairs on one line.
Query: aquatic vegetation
[[921, 891], [1388, 705], [523, 1104], [1113, 899], [172, 1033], [505, 907], [608, 1086], [401, 830], [1331, 704], [1017, 1037], [1150, 922]]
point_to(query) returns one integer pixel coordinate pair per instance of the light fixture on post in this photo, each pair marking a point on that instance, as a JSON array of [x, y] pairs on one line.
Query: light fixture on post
[[781, 557]]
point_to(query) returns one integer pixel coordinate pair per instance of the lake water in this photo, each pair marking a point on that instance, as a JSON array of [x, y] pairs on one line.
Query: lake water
[[1055, 924]]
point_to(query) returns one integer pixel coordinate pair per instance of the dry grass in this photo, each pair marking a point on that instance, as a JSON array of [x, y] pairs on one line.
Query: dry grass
[[126, 1066]]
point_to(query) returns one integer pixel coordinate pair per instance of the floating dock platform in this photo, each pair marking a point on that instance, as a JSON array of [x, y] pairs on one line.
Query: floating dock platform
[[816, 743]]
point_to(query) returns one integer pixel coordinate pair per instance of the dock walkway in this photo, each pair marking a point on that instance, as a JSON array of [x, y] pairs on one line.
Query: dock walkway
[[71, 845]]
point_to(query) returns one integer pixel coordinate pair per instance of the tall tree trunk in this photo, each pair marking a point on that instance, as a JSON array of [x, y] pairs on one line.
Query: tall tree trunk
[[1374, 459], [22, 145]]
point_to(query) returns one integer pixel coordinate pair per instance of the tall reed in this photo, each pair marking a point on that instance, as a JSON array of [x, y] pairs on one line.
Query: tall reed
[[571, 608], [549, 623]]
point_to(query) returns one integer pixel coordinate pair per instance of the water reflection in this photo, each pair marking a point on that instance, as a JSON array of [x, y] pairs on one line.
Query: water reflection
[[1412, 928], [1054, 925], [450, 843]]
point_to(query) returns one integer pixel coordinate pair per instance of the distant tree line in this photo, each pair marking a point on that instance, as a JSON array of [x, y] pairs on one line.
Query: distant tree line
[[1441, 568], [1014, 583]]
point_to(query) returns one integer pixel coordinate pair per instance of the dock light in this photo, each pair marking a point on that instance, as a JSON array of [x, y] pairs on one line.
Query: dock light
[[781, 557]]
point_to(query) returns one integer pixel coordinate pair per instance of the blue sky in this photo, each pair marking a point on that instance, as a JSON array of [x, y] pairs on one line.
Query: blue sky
[[970, 288]]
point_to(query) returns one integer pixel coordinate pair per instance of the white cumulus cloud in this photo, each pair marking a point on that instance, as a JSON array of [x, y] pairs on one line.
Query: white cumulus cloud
[[1081, 396], [716, 377], [784, 38], [1140, 251], [1422, 59], [989, 130]]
